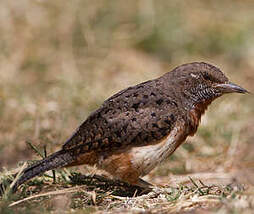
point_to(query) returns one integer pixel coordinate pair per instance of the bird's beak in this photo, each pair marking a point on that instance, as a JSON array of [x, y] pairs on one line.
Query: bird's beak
[[230, 88]]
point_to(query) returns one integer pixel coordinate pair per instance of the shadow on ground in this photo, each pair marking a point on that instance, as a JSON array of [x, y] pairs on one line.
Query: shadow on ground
[[100, 184]]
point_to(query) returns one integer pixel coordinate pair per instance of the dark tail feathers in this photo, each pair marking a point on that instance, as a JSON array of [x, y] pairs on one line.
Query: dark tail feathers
[[56, 160]]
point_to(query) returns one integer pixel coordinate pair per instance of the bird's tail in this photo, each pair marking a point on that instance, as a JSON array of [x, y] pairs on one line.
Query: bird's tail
[[56, 160]]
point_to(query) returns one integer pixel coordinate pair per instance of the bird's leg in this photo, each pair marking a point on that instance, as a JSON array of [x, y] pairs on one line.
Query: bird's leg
[[144, 184], [147, 187]]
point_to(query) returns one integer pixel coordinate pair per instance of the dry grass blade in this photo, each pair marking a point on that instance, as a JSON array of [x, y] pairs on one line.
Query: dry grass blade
[[7, 191], [57, 192], [19, 174], [188, 204]]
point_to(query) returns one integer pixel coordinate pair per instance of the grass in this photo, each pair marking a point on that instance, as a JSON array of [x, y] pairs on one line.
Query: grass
[[98, 194], [60, 60]]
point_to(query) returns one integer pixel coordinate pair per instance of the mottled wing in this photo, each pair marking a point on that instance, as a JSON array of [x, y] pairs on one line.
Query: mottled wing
[[138, 115]]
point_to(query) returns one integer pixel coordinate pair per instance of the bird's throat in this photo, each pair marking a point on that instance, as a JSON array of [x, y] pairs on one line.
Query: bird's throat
[[195, 115]]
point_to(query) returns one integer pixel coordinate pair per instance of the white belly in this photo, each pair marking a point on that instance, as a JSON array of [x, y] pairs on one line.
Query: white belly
[[146, 158]]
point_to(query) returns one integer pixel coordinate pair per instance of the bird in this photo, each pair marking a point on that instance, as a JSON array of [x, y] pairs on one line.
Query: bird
[[137, 128]]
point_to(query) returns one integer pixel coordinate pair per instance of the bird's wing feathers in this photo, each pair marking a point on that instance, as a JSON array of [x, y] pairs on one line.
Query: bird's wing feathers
[[138, 115]]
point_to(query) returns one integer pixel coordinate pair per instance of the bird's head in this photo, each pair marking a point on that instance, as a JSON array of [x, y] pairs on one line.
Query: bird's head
[[197, 85], [200, 82]]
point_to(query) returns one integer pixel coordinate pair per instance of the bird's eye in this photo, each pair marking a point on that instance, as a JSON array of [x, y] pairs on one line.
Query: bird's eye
[[207, 76]]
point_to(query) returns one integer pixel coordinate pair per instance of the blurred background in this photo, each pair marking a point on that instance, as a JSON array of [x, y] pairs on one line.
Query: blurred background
[[59, 60]]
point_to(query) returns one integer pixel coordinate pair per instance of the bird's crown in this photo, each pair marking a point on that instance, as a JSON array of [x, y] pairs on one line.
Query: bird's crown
[[200, 71]]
